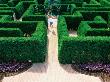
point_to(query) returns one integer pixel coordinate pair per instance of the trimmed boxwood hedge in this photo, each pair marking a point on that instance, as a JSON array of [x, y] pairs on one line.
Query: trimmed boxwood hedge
[[84, 50], [98, 32], [3, 1], [105, 3], [87, 26], [83, 28], [4, 5], [13, 3], [21, 7], [90, 15], [99, 18], [73, 21], [10, 32], [6, 12], [62, 30], [25, 48], [6, 18], [25, 26], [30, 14]]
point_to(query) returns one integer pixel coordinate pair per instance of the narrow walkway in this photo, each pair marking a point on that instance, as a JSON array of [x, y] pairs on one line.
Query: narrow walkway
[[51, 70]]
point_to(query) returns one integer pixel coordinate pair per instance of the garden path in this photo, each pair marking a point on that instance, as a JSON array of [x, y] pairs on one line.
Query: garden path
[[51, 70]]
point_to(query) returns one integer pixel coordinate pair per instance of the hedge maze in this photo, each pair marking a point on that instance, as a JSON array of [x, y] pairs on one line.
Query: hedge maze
[[91, 20], [23, 30]]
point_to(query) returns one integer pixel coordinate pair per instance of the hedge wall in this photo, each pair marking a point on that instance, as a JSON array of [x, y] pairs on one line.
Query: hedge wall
[[13, 3], [84, 50], [6, 12], [99, 18], [6, 18], [90, 15], [10, 32], [73, 21], [29, 11], [3, 1], [105, 3], [98, 32], [21, 7], [25, 48], [85, 26], [25, 26], [62, 31], [3, 5], [35, 18]]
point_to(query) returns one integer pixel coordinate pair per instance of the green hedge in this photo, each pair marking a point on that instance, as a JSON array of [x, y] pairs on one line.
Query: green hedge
[[6, 12], [3, 1], [90, 15], [105, 3], [94, 2], [13, 3], [98, 24], [21, 7], [97, 9], [65, 9], [39, 9], [98, 32], [62, 27], [83, 28], [10, 32], [25, 48], [40, 1], [62, 31], [26, 27], [34, 18], [91, 5], [29, 11], [3, 5], [99, 18], [73, 21], [84, 50], [6, 18]]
